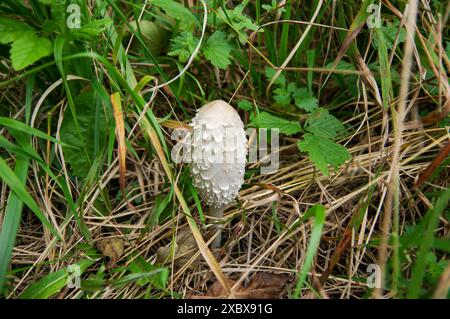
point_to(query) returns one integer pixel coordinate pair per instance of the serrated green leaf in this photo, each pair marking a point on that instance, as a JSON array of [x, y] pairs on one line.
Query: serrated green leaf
[[304, 100], [285, 95], [245, 105], [282, 96], [267, 120], [183, 45], [217, 50], [28, 49], [323, 152], [238, 20], [322, 123], [280, 81], [12, 30], [92, 128]]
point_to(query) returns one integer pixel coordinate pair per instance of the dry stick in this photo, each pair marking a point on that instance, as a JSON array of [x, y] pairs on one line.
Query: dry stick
[[393, 185]]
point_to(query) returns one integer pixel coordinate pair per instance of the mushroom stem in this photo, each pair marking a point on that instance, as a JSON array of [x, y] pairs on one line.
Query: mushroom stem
[[217, 212]]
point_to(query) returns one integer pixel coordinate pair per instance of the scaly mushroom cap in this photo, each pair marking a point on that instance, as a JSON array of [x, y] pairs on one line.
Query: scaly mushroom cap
[[219, 153]]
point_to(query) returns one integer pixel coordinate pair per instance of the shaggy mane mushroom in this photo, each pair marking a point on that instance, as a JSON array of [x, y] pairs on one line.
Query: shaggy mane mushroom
[[219, 156]]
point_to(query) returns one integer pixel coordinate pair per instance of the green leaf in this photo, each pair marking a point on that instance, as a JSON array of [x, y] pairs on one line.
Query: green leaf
[[28, 49], [217, 50], [282, 96], [46, 287], [54, 282], [134, 277], [300, 96], [12, 30], [304, 100], [245, 105], [183, 45], [92, 128], [267, 120], [390, 31], [442, 244], [158, 279], [323, 152], [322, 123], [238, 20], [177, 11], [270, 73], [92, 29], [273, 7]]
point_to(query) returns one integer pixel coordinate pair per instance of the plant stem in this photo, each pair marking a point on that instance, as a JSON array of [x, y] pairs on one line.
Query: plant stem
[[217, 213]]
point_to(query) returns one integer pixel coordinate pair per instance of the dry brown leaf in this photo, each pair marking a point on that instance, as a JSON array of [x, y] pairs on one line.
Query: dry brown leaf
[[262, 285], [265, 285], [216, 290], [121, 146]]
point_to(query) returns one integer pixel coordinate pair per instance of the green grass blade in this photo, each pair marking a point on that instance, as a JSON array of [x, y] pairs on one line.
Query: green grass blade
[[418, 272], [53, 282], [25, 147], [19, 126], [285, 32], [385, 69], [319, 219], [11, 220], [19, 189]]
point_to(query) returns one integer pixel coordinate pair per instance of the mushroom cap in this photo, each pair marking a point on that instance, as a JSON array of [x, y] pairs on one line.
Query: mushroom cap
[[219, 153]]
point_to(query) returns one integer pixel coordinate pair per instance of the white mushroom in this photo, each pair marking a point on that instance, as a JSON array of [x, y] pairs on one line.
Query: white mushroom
[[218, 156]]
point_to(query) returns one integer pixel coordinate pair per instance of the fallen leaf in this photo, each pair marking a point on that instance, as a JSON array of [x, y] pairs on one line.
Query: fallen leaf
[[265, 285], [216, 290], [262, 285]]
